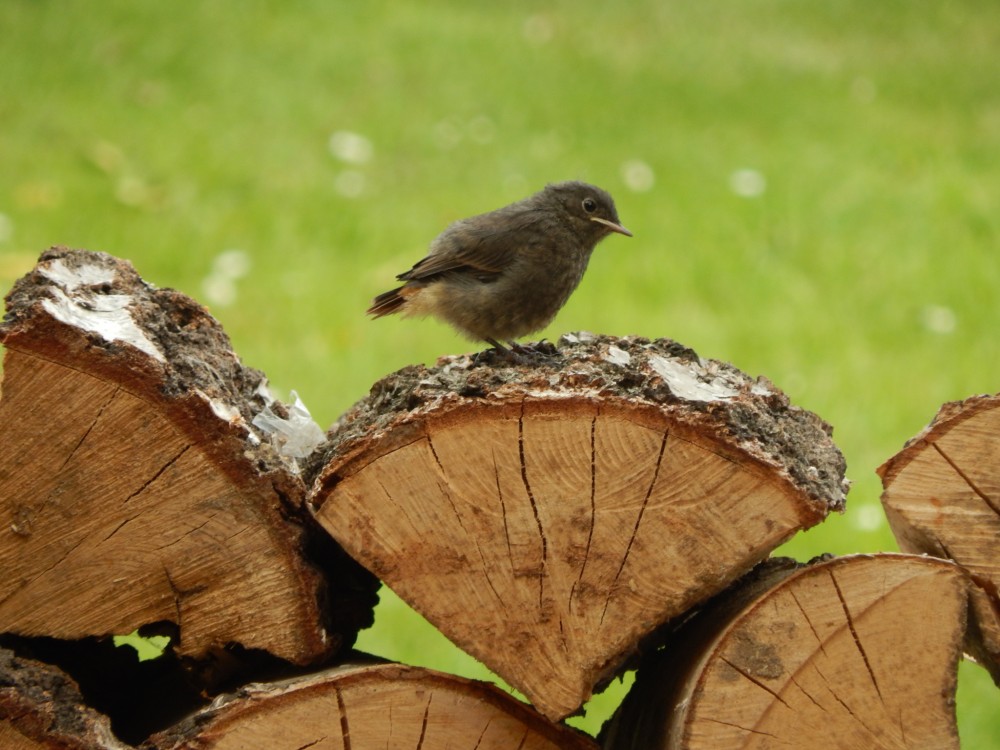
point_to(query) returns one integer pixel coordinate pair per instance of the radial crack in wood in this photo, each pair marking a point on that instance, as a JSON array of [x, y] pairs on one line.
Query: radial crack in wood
[[370, 707], [134, 487], [841, 653], [545, 515], [942, 497]]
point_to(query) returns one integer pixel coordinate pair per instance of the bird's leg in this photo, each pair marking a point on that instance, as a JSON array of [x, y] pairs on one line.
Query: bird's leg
[[498, 346]]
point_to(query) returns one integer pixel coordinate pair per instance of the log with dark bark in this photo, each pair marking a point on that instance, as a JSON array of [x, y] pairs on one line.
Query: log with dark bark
[[41, 707], [367, 706], [838, 654], [942, 497], [134, 485], [548, 511]]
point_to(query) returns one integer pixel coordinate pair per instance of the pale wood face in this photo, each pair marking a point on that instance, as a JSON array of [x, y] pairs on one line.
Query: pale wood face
[[834, 657], [548, 536], [859, 651], [131, 488], [942, 497], [386, 706], [116, 520]]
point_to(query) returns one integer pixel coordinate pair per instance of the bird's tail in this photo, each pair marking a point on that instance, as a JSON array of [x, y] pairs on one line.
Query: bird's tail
[[387, 303]]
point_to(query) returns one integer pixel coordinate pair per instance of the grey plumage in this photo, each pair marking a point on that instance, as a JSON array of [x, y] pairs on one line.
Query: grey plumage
[[503, 274]]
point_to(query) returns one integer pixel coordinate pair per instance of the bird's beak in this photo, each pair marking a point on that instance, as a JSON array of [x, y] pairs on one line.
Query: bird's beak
[[612, 226]]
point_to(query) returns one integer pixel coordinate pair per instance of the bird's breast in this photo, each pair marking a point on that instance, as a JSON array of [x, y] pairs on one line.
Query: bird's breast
[[522, 298]]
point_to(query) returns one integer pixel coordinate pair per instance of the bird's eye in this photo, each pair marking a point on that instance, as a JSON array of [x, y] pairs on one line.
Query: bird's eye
[[589, 205]]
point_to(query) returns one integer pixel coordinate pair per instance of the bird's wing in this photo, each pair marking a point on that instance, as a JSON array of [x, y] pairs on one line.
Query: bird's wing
[[484, 249]]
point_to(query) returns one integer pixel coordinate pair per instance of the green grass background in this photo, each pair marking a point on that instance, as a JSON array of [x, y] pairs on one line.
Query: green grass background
[[863, 279]]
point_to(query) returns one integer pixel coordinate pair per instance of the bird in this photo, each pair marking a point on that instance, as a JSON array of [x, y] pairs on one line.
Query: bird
[[501, 275]]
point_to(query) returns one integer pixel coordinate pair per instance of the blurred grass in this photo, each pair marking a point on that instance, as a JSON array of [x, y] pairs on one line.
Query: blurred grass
[[860, 273]]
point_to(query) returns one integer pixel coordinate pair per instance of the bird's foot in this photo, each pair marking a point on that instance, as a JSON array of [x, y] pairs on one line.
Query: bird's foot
[[534, 348], [521, 348], [499, 353], [522, 354]]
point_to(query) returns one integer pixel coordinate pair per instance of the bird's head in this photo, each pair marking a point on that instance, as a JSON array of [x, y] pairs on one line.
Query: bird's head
[[590, 210]]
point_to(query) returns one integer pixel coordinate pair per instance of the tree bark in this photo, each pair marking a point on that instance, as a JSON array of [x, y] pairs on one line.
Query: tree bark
[[841, 653], [942, 497], [370, 707], [40, 707], [134, 486], [546, 513]]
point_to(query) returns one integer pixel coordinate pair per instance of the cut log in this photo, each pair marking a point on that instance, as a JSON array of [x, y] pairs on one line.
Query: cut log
[[370, 707], [842, 653], [40, 707], [942, 497], [134, 486], [547, 513]]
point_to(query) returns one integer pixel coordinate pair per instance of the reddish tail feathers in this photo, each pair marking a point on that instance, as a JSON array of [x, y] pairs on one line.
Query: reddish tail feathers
[[387, 303]]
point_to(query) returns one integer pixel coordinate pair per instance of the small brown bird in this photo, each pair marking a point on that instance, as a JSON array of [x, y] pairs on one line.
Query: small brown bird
[[500, 275]]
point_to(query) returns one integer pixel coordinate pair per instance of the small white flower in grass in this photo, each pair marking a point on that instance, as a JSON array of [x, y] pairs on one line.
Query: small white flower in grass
[[352, 148], [537, 29], [219, 287], [132, 191], [350, 183], [233, 263], [6, 228], [447, 134], [864, 90], [638, 176], [107, 156], [747, 183], [868, 517], [219, 291], [939, 319]]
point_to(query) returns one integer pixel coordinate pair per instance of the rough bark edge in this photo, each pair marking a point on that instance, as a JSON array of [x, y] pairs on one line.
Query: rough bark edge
[[948, 417], [980, 646], [708, 397], [211, 398], [176, 324], [45, 705], [358, 669]]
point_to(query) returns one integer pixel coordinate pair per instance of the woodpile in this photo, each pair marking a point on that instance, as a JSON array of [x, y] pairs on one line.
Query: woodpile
[[561, 515], [824, 655], [547, 517], [942, 498], [136, 488]]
